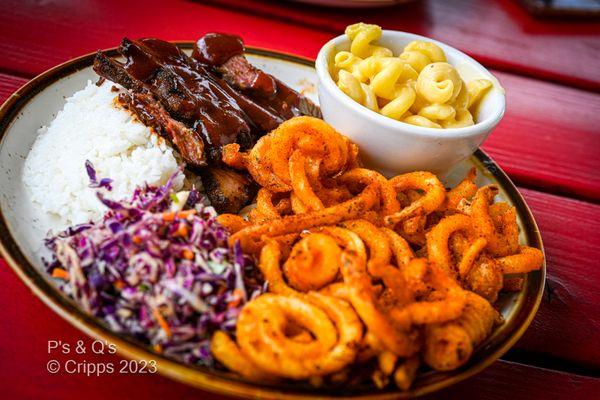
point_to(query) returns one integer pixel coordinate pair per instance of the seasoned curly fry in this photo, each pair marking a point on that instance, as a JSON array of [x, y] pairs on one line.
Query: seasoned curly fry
[[380, 253], [300, 183], [400, 247], [232, 222], [470, 255], [294, 223], [448, 307], [313, 263], [461, 192], [362, 296], [433, 198], [227, 352], [526, 260], [315, 139], [270, 266], [261, 335], [364, 177], [449, 345], [438, 236], [265, 209], [507, 230], [406, 372]]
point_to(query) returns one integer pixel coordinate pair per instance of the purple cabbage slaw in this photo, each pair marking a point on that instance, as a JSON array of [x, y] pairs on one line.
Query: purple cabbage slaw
[[167, 278]]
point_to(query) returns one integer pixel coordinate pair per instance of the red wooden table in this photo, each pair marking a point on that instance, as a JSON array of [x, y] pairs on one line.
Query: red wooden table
[[548, 142]]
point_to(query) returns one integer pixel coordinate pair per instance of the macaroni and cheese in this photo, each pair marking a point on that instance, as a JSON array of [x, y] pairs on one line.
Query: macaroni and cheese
[[418, 86]]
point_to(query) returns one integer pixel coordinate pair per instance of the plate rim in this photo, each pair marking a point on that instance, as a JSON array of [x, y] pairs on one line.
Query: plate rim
[[215, 381]]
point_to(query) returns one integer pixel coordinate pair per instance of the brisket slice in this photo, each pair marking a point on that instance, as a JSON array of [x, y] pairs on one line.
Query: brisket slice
[[151, 112], [153, 115]]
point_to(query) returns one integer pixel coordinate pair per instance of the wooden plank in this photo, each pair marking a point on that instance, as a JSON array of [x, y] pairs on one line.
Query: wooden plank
[[8, 85], [498, 32], [70, 31], [549, 137], [507, 380], [32, 325], [566, 325]]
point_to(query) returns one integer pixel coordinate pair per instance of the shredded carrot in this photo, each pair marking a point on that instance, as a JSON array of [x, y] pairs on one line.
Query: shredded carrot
[[188, 254], [60, 274], [161, 321], [136, 239], [158, 348], [119, 284], [168, 216], [237, 298], [186, 213], [182, 230]]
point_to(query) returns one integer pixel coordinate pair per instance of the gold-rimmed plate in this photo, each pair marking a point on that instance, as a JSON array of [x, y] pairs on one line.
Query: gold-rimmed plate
[[22, 229]]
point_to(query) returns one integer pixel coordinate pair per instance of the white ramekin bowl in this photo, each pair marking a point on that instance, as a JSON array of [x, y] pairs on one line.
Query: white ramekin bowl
[[394, 147]]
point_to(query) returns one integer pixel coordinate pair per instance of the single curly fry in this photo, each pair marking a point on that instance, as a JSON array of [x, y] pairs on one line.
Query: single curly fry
[[364, 177], [261, 334], [445, 304], [264, 205], [380, 253], [406, 372], [387, 361], [433, 198], [347, 239], [437, 240], [506, 228], [470, 255], [482, 221], [227, 352], [526, 260], [313, 263], [350, 209], [362, 296], [270, 266], [314, 138], [337, 289], [258, 164], [400, 247], [463, 191], [232, 222], [450, 345], [300, 183]]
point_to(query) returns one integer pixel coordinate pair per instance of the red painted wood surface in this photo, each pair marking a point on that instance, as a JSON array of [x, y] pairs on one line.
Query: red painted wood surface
[[61, 30], [547, 140], [24, 356], [8, 85], [567, 323], [500, 33]]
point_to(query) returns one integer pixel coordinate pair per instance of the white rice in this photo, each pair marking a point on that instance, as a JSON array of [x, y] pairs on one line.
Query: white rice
[[92, 127]]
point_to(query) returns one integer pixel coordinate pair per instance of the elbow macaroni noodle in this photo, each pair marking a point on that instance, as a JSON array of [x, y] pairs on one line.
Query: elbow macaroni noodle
[[418, 86]]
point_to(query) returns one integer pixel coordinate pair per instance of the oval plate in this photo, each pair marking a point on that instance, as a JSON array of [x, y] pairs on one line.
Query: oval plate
[[22, 230]]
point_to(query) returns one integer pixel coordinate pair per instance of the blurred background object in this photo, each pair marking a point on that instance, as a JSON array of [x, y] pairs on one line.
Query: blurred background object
[[558, 8], [354, 3]]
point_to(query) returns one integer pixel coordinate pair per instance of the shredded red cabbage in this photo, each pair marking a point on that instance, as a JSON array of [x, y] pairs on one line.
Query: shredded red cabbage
[[166, 277]]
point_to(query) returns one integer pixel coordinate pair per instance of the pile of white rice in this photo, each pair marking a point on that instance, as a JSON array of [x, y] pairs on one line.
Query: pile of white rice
[[91, 126]]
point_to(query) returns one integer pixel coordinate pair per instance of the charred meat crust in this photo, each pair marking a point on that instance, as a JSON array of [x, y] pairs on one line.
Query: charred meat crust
[[153, 115], [228, 190]]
